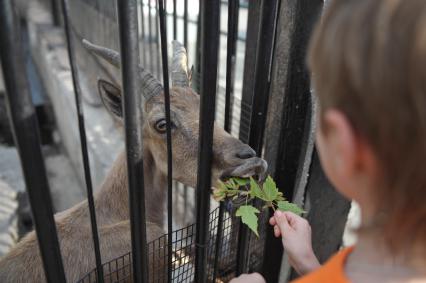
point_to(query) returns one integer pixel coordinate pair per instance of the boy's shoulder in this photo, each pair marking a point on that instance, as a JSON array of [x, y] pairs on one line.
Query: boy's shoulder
[[331, 271]]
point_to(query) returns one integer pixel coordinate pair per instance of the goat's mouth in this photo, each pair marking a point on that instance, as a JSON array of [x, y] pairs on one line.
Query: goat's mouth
[[252, 167]]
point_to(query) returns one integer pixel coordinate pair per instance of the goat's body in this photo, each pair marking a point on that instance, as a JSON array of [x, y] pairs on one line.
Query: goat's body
[[23, 263]]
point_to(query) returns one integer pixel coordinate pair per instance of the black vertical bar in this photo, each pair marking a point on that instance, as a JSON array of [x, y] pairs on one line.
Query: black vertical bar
[[260, 103], [143, 33], [151, 60], [157, 41], [249, 67], [233, 9], [163, 33], [209, 61], [196, 80], [129, 50], [185, 24], [83, 141], [263, 73], [55, 12], [27, 139], [174, 19], [185, 43]]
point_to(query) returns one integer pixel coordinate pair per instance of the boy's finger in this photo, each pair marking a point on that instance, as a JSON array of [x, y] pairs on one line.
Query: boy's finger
[[295, 221], [272, 221], [282, 222], [277, 232]]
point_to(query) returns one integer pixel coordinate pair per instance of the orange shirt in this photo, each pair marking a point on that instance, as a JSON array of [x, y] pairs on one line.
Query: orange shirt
[[331, 272]]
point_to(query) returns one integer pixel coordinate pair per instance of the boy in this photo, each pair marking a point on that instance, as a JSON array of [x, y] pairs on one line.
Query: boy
[[368, 60]]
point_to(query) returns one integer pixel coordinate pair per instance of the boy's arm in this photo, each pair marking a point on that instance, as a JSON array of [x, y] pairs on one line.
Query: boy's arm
[[295, 232]]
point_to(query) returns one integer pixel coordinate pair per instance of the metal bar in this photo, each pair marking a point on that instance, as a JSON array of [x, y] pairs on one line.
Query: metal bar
[[151, 60], [174, 19], [157, 41], [27, 139], [83, 141], [163, 34], [129, 50], [260, 103], [196, 81], [233, 9], [249, 67], [185, 24], [143, 33], [185, 43], [55, 12], [210, 10], [218, 244]]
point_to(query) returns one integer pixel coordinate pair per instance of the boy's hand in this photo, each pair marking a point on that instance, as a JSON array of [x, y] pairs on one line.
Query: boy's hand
[[296, 237], [249, 278]]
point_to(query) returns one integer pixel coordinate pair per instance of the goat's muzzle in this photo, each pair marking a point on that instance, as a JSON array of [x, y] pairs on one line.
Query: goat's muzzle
[[253, 166]]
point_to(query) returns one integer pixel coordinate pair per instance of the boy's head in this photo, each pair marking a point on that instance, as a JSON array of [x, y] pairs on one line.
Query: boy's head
[[368, 60]]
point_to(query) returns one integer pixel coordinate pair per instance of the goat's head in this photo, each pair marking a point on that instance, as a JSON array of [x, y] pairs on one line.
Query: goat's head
[[230, 156]]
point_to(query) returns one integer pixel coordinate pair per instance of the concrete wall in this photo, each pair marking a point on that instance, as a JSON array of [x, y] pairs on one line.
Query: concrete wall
[[49, 51]]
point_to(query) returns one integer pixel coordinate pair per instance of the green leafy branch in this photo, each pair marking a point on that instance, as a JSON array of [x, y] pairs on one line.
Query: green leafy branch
[[250, 189]]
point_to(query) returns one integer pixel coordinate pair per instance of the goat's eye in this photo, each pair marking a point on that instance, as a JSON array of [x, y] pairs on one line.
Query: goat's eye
[[161, 126]]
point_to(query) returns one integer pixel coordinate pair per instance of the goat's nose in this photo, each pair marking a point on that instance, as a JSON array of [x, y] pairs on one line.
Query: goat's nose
[[246, 153]]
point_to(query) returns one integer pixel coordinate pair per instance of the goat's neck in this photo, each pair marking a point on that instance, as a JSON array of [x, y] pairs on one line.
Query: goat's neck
[[112, 200]]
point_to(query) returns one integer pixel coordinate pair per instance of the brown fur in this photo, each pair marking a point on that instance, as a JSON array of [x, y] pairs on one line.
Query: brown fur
[[23, 263]]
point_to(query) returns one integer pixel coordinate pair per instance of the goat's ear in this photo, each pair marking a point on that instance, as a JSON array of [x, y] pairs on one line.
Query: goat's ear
[[111, 97]]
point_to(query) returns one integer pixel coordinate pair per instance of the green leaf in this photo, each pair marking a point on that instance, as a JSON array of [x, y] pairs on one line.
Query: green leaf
[[219, 194], [288, 206], [221, 185], [270, 189], [280, 198], [233, 184], [249, 217], [240, 181], [255, 191]]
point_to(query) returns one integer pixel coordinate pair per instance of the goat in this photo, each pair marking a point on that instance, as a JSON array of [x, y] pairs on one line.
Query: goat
[[230, 158]]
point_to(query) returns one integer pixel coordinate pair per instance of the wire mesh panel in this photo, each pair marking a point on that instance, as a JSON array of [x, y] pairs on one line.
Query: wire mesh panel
[[120, 269]]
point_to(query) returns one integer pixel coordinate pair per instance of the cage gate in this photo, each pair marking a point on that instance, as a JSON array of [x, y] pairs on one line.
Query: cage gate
[[243, 95]]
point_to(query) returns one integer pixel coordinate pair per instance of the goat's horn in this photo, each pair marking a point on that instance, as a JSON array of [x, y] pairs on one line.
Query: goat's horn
[[150, 86], [179, 67], [110, 55]]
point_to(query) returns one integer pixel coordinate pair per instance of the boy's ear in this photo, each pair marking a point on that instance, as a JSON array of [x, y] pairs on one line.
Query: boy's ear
[[111, 97], [342, 142]]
